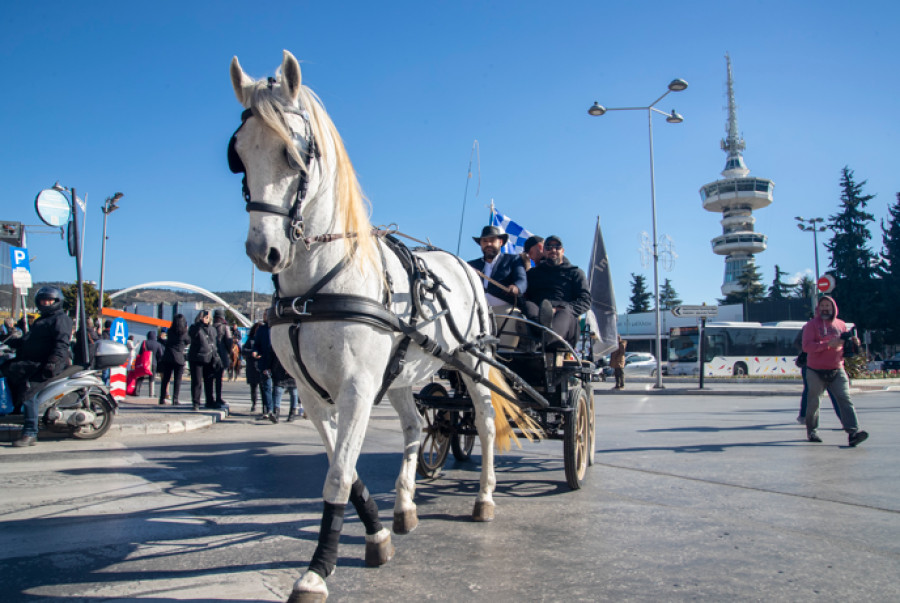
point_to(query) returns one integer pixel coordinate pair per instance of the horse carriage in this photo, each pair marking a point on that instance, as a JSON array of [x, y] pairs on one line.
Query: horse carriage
[[358, 317], [553, 387]]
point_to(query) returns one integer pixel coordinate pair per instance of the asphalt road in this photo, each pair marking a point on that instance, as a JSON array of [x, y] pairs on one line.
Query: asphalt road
[[707, 498]]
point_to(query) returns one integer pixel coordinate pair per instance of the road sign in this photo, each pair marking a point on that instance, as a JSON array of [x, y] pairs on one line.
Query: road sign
[[118, 331], [699, 311], [21, 270], [825, 284]]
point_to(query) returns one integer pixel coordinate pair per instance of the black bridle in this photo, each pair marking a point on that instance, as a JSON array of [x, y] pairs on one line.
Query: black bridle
[[306, 147]]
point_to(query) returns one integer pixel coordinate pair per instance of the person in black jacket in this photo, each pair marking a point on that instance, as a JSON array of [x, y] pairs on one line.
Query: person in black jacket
[[557, 292], [202, 356], [223, 354], [156, 351], [40, 355], [173, 358], [252, 373]]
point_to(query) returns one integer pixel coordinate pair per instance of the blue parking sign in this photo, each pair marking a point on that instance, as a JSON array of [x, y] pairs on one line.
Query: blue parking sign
[[18, 258], [118, 331]]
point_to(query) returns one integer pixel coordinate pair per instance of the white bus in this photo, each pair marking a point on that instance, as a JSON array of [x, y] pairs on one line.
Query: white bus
[[736, 349]]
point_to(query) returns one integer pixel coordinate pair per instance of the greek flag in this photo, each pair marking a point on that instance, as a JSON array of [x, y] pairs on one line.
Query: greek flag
[[517, 234]]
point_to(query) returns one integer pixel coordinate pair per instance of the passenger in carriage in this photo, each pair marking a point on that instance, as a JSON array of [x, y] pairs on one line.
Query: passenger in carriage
[[557, 292], [533, 252], [503, 278]]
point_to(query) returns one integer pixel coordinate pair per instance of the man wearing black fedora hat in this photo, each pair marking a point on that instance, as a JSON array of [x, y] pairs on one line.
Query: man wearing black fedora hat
[[503, 277]]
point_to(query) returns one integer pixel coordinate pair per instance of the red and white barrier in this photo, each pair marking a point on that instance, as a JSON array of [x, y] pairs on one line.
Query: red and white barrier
[[117, 376]]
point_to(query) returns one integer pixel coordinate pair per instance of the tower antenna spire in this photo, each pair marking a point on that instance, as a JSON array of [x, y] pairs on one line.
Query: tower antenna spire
[[733, 144]]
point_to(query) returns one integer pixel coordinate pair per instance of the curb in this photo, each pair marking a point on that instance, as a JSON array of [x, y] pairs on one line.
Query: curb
[[143, 418]]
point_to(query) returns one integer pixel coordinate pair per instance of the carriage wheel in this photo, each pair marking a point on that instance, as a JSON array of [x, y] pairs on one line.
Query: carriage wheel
[[592, 426], [436, 440], [461, 444], [576, 439]]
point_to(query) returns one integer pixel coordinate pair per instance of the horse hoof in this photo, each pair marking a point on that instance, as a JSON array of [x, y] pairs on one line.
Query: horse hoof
[[484, 511], [405, 522], [379, 553], [306, 597]]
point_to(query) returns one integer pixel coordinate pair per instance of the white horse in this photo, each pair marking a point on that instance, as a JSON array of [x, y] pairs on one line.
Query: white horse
[[341, 292]]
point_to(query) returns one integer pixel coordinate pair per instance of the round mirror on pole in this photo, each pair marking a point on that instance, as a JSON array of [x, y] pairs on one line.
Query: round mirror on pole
[[52, 207]]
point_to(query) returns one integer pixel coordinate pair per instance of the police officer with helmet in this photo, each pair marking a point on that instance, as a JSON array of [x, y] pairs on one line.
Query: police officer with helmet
[[40, 355]]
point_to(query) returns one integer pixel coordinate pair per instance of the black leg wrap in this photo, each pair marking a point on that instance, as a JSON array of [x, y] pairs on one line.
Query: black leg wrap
[[365, 507], [325, 557]]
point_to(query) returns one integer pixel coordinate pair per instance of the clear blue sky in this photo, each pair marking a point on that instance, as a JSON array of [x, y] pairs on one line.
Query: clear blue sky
[[135, 97]]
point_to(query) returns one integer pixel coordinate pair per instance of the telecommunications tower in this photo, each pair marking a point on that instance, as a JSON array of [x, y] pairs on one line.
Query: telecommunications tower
[[735, 196]]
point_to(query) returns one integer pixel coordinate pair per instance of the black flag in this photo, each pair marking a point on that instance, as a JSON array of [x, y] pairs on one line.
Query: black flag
[[603, 299]]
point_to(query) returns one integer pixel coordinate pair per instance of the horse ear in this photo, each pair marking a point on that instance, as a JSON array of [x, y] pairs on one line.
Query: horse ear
[[240, 81], [290, 76]]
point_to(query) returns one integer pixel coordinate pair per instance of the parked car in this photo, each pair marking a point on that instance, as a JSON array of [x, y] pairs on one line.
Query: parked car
[[637, 364], [891, 364]]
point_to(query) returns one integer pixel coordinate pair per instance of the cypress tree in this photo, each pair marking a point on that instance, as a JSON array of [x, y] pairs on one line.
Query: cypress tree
[[640, 297], [889, 273], [853, 264], [668, 298], [779, 289]]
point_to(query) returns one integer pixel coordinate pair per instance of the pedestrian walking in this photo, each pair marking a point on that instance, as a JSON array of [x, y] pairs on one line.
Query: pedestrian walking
[[823, 342]]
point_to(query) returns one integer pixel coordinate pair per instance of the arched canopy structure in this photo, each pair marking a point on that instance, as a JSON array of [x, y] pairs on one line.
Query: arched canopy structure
[[173, 284]]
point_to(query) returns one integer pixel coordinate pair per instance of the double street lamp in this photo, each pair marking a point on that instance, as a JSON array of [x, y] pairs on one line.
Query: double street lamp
[[109, 206], [814, 226], [676, 85]]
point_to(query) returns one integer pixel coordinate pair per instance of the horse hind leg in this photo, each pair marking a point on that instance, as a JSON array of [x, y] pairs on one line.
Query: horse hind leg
[[485, 422], [406, 518]]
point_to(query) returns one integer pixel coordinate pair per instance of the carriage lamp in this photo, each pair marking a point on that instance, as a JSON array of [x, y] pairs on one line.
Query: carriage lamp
[[596, 110]]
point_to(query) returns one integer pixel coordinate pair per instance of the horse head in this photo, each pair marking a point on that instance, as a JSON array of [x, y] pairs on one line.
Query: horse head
[[275, 149]]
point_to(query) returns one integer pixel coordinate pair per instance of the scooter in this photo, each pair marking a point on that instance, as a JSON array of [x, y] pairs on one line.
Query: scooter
[[77, 401]]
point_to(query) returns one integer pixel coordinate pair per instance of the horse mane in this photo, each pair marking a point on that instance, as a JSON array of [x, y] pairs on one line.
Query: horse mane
[[352, 207]]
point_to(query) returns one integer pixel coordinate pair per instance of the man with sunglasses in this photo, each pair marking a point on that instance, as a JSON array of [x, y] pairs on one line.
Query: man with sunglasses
[[557, 292]]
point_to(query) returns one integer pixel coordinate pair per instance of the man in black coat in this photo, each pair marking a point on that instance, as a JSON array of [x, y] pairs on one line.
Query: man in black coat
[[40, 355], [557, 292], [504, 268]]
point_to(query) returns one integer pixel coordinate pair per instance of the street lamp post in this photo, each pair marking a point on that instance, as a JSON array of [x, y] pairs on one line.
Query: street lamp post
[[676, 85], [109, 206], [810, 225]]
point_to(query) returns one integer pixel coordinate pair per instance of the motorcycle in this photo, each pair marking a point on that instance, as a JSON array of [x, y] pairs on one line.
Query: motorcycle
[[76, 401]]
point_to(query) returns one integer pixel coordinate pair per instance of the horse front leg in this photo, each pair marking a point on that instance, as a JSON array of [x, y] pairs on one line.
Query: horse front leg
[[354, 405], [485, 423], [406, 518]]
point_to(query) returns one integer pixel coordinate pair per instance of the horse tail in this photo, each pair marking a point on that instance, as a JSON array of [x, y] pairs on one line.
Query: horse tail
[[507, 414]]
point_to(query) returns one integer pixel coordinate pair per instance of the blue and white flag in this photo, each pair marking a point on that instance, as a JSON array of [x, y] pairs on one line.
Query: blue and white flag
[[517, 234]]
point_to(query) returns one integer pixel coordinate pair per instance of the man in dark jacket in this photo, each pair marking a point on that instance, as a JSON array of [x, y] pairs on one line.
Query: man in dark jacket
[[202, 356], [223, 354], [40, 355], [557, 292], [505, 269], [263, 355]]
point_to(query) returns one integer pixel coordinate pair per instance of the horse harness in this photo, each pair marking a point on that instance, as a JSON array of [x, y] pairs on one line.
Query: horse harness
[[306, 146], [313, 306]]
